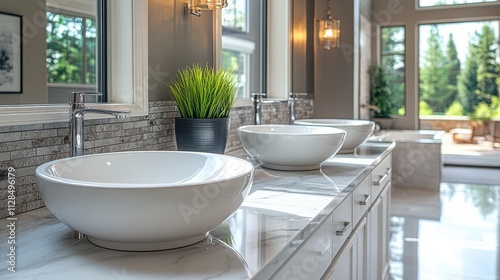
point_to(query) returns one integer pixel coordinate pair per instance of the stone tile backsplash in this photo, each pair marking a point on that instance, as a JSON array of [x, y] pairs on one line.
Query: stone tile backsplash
[[26, 147]]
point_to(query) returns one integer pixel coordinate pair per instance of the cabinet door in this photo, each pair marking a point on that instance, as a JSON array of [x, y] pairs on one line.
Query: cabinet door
[[361, 249], [379, 236], [385, 230], [346, 265], [375, 244], [344, 269]]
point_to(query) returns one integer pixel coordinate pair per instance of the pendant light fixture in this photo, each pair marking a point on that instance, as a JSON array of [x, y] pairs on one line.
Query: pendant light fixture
[[328, 30]]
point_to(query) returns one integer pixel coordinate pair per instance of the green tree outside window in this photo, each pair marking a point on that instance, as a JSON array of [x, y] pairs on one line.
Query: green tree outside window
[[71, 49]]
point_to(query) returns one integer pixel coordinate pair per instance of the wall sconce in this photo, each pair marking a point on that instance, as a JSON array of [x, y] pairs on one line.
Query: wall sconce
[[328, 30], [194, 7]]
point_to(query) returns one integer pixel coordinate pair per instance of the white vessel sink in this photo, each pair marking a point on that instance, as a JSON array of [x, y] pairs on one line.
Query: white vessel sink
[[358, 131], [291, 147], [145, 201]]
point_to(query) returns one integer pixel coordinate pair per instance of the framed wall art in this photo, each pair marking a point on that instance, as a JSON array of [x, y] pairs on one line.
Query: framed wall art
[[11, 72]]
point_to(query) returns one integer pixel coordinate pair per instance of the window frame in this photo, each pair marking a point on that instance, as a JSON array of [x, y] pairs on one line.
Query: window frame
[[455, 6]]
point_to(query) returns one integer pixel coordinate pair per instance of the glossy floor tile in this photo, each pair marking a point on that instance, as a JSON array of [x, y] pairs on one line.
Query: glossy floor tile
[[452, 234]]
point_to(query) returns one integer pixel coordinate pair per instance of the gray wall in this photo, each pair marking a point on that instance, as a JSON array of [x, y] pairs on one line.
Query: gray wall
[[335, 70], [175, 41], [33, 54], [303, 45]]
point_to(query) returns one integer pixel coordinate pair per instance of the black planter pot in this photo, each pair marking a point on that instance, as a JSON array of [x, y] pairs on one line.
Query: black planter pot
[[384, 123], [202, 135]]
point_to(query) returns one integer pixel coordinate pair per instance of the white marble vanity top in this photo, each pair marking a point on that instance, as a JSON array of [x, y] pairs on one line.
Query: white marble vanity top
[[284, 207]]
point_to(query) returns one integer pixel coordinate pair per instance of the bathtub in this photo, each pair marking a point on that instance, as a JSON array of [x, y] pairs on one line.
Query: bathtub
[[416, 160], [411, 135]]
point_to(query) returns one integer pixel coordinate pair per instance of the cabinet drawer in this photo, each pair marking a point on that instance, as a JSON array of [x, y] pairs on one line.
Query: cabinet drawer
[[312, 257], [381, 174], [361, 199], [342, 223]]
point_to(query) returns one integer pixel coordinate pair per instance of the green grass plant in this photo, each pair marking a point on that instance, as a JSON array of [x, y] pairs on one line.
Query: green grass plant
[[204, 93]]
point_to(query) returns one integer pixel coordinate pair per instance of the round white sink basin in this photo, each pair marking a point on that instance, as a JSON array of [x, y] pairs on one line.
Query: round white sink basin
[[145, 201], [358, 131], [291, 147]]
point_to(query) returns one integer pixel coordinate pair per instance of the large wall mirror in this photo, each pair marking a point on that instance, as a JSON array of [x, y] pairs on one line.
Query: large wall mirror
[[257, 44], [77, 45], [244, 44]]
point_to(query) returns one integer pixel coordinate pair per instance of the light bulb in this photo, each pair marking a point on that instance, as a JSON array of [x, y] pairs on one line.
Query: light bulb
[[328, 34]]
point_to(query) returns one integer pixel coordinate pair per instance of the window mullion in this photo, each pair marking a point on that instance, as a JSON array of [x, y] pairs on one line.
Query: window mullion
[[84, 50]]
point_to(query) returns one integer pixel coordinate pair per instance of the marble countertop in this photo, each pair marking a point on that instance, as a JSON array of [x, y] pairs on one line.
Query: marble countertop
[[283, 208]]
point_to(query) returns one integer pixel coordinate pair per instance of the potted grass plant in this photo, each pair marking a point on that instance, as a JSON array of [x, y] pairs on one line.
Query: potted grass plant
[[204, 99]]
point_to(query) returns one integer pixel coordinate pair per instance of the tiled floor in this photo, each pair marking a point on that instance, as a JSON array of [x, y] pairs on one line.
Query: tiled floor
[[448, 235]]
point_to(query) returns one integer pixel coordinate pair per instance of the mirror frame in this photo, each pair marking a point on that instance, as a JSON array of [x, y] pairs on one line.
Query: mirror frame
[[137, 85]]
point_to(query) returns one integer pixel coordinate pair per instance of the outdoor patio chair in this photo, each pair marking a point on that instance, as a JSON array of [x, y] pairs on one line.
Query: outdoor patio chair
[[494, 135], [463, 135], [469, 135]]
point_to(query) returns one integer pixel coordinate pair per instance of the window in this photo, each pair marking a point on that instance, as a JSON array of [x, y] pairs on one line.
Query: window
[[243, 44], [73, 59], [71, 49], [235, 15], [393, 61], [458, 68], [433, 3], [238, 62]]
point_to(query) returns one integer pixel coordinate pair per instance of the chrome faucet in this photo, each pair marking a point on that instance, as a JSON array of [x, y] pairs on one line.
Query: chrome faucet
[[291, 105], [76, 111], [257, 100]]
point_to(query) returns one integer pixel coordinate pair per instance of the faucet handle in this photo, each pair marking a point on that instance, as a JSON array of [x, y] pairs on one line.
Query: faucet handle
[[76, 97], [258, 95], [297, 94]]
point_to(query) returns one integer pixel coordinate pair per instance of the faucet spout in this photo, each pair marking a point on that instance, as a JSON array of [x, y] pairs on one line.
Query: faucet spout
[[77, 110], [258, 101], [257, 105], [116, 114], [291, 105]]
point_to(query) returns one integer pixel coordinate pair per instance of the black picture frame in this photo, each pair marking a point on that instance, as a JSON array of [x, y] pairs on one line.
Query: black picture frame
[[11, 53]]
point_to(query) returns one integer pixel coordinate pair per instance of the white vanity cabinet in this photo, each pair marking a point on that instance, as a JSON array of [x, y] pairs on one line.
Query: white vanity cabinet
[[380, 221], [364, 255], [315, 254]]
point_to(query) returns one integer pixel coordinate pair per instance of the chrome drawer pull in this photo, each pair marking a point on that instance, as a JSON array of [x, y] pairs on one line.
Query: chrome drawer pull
[[365, 202], [382, 179], [342, 231]]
